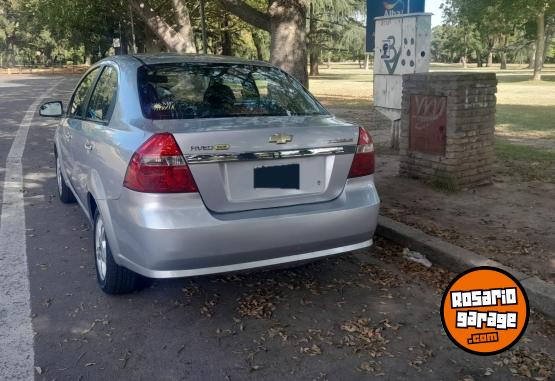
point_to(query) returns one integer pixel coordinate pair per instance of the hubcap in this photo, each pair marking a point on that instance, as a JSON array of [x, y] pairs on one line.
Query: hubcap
[[59, 175], [100, 248]]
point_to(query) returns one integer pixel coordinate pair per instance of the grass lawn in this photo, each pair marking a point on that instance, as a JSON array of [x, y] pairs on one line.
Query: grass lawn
[[525, 162], [525, 128]]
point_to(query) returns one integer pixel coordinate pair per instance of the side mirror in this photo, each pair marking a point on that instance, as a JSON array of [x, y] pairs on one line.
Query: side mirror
[[52, 109]]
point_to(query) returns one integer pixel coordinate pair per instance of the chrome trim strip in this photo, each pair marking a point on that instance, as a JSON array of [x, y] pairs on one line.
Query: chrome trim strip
[[269, 155], [165, 274]]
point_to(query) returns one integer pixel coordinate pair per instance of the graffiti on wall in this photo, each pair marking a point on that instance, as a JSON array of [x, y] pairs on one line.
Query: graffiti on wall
[[428, 123], [390, 54]]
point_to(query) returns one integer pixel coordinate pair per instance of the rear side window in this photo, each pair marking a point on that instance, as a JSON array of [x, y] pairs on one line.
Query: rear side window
[[187, 91], [80, 96], [103, 96]]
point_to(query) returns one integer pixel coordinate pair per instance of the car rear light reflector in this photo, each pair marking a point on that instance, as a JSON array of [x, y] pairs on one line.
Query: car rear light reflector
[[158, 166], [363, 162]]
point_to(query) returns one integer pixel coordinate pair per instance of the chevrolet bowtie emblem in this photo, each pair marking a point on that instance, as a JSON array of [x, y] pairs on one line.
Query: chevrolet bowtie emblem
[[280, 138]]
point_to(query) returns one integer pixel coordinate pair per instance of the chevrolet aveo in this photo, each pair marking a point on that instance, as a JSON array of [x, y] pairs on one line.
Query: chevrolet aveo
[[193, 165]]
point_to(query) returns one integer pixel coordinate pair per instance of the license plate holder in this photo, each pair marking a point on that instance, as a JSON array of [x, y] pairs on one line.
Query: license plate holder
[[277, 177]]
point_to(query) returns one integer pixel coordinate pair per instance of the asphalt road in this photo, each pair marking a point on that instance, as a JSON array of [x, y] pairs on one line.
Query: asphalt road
[[369, 314]]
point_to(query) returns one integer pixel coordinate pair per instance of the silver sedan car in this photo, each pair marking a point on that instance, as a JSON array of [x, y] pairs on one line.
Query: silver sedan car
[[193, 165]]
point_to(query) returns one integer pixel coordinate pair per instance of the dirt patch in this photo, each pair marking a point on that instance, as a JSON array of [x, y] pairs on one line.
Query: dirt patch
[[510, 222], [540, 141]]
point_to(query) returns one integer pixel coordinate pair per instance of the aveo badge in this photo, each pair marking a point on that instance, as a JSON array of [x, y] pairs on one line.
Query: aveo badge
[[485, 311]]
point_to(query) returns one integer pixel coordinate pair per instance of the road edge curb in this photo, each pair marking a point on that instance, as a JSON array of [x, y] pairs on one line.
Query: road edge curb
[[540, 293]]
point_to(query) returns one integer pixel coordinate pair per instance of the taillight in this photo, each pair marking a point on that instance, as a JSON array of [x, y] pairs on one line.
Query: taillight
[[158, 166], [363, 162]]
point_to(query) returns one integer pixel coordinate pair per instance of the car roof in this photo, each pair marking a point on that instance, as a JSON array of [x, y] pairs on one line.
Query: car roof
[[162, 58]]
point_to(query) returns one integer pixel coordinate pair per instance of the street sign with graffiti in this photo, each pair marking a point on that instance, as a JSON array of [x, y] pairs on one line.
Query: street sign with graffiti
[[380, 8]]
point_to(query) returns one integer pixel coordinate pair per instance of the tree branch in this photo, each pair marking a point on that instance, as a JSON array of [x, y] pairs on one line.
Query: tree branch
[[247, 13], [175, 40]]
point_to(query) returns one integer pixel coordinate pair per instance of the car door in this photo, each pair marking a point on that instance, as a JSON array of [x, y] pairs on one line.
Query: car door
[[95, 133], [70, 129]]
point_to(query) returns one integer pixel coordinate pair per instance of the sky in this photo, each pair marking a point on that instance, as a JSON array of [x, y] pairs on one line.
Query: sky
[[432, 6]]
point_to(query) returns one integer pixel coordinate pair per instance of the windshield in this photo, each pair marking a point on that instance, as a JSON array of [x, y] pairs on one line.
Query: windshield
[[186, 91]]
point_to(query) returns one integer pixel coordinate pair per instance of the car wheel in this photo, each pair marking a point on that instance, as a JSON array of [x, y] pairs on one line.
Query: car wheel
[[112, 278], [65, 194]]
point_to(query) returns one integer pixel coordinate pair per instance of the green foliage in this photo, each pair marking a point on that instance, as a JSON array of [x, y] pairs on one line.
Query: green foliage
[[43, 31], [450, 43], [79, 31], [502, 28], [337, 28], [228, 34]]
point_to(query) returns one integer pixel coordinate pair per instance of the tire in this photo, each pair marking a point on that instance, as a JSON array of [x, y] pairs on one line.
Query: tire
[[64, 193], [112, 278]]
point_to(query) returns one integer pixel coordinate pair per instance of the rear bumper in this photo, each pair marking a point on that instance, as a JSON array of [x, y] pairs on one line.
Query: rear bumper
[[169, 236]]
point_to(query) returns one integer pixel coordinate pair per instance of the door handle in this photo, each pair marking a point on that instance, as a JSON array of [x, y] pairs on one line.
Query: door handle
[[89, 146]]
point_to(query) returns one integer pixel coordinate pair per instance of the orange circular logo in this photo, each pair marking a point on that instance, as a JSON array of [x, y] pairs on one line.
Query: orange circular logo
[[485, 310]]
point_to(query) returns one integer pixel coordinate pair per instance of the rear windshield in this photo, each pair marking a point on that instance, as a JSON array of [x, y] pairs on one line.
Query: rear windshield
[[187, 91]]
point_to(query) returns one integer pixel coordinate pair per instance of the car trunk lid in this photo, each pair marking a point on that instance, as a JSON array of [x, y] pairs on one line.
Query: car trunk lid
[[251, 163]]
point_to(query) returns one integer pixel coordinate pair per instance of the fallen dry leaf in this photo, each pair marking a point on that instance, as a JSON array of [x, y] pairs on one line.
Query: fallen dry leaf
[[314, 350], [259, 305]]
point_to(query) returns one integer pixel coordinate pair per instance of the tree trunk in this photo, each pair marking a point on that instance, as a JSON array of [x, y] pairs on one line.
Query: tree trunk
[[179, 40], [313, 47], [540, 46], [503, 54], [288, 37], [547, 45], [227, 46], [258, 45], [503, 60], [532, 56], [151, 43], [464, 61], [479, 59], [366, 61], [314, 60], [286, 22], [490, 59]]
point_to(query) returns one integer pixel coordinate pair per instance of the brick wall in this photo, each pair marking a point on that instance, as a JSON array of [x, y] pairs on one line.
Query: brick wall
[[447, 127]]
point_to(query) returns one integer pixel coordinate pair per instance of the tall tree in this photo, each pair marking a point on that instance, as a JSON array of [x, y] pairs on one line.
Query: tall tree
[[497, 20], [492, 22], [285, 20], [540, 44], [329, 21], [540, 11]]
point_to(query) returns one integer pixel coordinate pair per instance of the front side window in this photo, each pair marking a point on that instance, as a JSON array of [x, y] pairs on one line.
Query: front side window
[[187, 91], [80, 96], [103, 96]]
